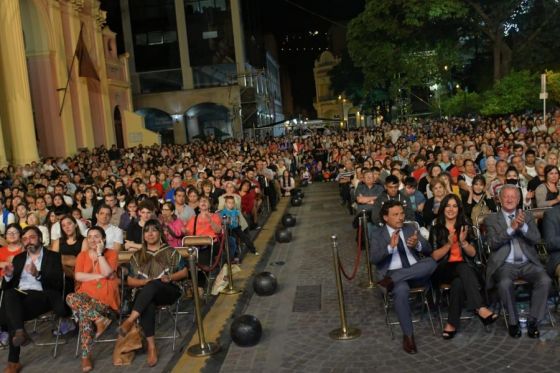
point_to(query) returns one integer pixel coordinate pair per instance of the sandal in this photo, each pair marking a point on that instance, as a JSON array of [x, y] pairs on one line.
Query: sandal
[[488, 319]]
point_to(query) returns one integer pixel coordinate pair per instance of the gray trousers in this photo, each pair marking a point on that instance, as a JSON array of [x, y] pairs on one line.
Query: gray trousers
[[536, 276], [420, 273]]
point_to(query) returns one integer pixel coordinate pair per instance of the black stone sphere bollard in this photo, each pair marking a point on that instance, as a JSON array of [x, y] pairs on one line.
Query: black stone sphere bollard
[[288, 220], [265, 284], [246, 330], [298, 193], [283, 235]]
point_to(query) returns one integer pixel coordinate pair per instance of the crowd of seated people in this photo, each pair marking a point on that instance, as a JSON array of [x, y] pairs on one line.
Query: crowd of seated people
[[185, 187], [449, 178], [85, 209]]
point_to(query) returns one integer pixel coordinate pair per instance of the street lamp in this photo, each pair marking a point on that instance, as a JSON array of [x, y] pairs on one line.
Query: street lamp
[[342, 116]]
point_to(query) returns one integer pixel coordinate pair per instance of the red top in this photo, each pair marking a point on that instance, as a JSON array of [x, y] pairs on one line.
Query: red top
[[7, 256], [105, 290], [248, 201], [156, 186], [203, 226]]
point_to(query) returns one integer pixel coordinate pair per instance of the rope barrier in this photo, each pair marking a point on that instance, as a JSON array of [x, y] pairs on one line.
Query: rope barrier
[[358, 258], [205, 268]]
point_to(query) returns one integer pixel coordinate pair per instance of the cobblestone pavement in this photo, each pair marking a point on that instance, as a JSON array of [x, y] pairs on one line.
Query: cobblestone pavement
[[299, 341]]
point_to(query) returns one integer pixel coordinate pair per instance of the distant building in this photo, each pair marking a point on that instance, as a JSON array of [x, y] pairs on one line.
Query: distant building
[[328, 105], [199, 68], [44, 109]]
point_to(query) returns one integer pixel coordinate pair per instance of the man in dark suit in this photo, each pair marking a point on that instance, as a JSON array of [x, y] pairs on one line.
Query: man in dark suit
[[551, 233], [32, 286], [394, 251], [512, 235]]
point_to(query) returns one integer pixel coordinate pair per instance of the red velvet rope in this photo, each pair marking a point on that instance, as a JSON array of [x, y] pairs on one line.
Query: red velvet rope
[[358, 258], [205, 268]]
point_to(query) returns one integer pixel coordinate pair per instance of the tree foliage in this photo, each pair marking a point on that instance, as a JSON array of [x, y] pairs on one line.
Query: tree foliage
[[413, 39], [517, 92], [553, 86]]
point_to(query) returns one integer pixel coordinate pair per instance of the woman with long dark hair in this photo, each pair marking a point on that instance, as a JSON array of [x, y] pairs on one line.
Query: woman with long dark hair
[[452, 249], [287, 183], [154, 270]]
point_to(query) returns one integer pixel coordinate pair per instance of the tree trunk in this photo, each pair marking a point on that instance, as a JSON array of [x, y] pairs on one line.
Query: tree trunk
[[497, 49]]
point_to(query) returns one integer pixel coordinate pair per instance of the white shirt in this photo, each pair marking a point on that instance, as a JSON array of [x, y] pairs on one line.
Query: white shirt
[[396, 259], [26, 281], [55, 230], [511, 232], [114, 234]]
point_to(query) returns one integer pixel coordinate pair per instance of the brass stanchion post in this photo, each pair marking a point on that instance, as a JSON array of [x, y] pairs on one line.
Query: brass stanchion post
[[369, 284], [344, 332], [203, 348], [230, 290]]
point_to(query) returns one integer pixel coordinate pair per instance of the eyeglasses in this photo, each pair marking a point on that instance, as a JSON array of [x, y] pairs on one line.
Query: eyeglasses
[[12, 232]]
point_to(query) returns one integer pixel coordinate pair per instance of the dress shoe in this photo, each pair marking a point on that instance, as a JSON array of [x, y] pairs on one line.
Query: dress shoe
[[101, 324], [13, 367], [514, 331], [20, 338], [533, 330], [409, 345], [387, 283], [87, 366], [152, 357]]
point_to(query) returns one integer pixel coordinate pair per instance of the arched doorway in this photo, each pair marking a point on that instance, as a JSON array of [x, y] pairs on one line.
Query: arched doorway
[[117, 121], [208, 119], [158, 121]]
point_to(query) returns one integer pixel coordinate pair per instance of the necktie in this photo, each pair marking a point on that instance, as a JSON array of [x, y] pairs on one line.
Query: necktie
[[517, 252], [402, 253]]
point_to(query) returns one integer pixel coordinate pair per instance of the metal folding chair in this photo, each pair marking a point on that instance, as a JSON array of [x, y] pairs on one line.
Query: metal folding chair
[[420, 294]]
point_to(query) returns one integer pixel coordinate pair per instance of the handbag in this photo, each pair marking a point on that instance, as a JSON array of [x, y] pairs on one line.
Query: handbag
[[125, 347]]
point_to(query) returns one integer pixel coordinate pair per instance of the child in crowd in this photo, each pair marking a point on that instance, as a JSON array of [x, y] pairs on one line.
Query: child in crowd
[[232, 214]]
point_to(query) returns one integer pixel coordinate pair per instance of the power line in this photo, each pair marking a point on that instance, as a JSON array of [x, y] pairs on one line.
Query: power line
[[314, 13]]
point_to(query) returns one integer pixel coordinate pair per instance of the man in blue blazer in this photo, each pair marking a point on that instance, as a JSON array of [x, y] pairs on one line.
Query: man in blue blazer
[[512, 235], [395, 249]]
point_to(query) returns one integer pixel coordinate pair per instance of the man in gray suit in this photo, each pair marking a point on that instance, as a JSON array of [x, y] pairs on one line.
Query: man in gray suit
[[551, 233], [394, 251], [512, 235]]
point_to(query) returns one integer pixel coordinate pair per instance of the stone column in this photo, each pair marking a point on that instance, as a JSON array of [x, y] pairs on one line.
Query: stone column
[[179, 129], [15, 98], [186, 69], [238, 36], [193, 128], [3, 159]]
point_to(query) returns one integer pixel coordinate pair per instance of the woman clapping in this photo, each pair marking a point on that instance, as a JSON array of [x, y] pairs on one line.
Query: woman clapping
[[452, 248]]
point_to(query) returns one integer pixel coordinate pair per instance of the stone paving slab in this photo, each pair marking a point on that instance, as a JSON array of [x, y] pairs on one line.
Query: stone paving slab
[[299, 341]]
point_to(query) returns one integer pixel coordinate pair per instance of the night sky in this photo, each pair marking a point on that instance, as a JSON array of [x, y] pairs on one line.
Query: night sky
[[280, 17]]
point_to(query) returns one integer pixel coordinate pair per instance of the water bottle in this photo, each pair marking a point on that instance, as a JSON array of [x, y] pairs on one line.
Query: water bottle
[[523, 313]]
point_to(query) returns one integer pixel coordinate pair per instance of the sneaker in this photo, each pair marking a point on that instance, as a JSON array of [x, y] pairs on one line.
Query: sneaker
[[66, 326], [256, 253]]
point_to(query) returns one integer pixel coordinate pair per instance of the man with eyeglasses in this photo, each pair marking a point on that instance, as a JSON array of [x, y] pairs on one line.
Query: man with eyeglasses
[[32, 286]]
